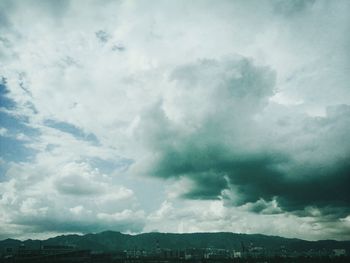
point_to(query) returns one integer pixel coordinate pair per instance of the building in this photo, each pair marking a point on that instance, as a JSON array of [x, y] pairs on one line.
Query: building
[[339, 252]]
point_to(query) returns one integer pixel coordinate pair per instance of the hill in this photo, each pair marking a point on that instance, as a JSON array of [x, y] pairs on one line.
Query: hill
[[116, 241]]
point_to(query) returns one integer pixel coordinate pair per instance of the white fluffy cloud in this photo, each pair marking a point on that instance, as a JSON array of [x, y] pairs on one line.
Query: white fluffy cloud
[[213, 216], [69, 198]]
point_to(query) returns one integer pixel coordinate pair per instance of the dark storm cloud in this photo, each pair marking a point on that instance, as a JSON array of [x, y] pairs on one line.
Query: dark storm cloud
[[320, 189], [208, 185], [223, 153], [214, 168]]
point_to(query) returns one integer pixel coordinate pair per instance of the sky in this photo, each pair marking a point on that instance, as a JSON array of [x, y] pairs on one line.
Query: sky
[[175, 116]]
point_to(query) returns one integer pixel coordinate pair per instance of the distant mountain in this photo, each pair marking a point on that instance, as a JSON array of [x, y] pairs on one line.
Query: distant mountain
[[116, 241]]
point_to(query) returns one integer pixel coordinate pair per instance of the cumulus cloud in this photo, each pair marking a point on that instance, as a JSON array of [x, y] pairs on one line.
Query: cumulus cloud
[[54, 200], [211, 132], [235, 105], [189, 216]]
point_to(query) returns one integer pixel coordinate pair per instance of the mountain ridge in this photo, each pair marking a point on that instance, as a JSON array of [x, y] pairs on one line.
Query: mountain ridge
[[117, 241]]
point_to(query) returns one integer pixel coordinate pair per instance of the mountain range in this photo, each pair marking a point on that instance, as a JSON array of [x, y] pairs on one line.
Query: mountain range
[[109, 241]]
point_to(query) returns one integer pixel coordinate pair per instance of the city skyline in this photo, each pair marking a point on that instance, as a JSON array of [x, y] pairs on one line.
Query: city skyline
[[175, 116]]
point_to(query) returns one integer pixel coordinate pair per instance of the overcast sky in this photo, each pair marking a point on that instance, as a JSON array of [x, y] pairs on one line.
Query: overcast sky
[[175, 116]]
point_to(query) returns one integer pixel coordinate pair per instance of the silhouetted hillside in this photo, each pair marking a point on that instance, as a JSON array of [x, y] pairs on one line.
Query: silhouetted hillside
[[116, 241]]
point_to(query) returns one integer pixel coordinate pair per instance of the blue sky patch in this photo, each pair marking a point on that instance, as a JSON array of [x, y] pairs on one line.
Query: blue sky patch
[[5, 101], [72, 129], [14, 150]]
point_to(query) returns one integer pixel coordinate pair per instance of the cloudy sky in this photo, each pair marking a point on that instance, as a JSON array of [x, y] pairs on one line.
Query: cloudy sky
[[175, 116]]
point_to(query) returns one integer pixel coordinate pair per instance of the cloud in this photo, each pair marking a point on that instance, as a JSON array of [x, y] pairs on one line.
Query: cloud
[[113, 108], [292, 7], [189, 216], [72, 197], [209, 130]]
